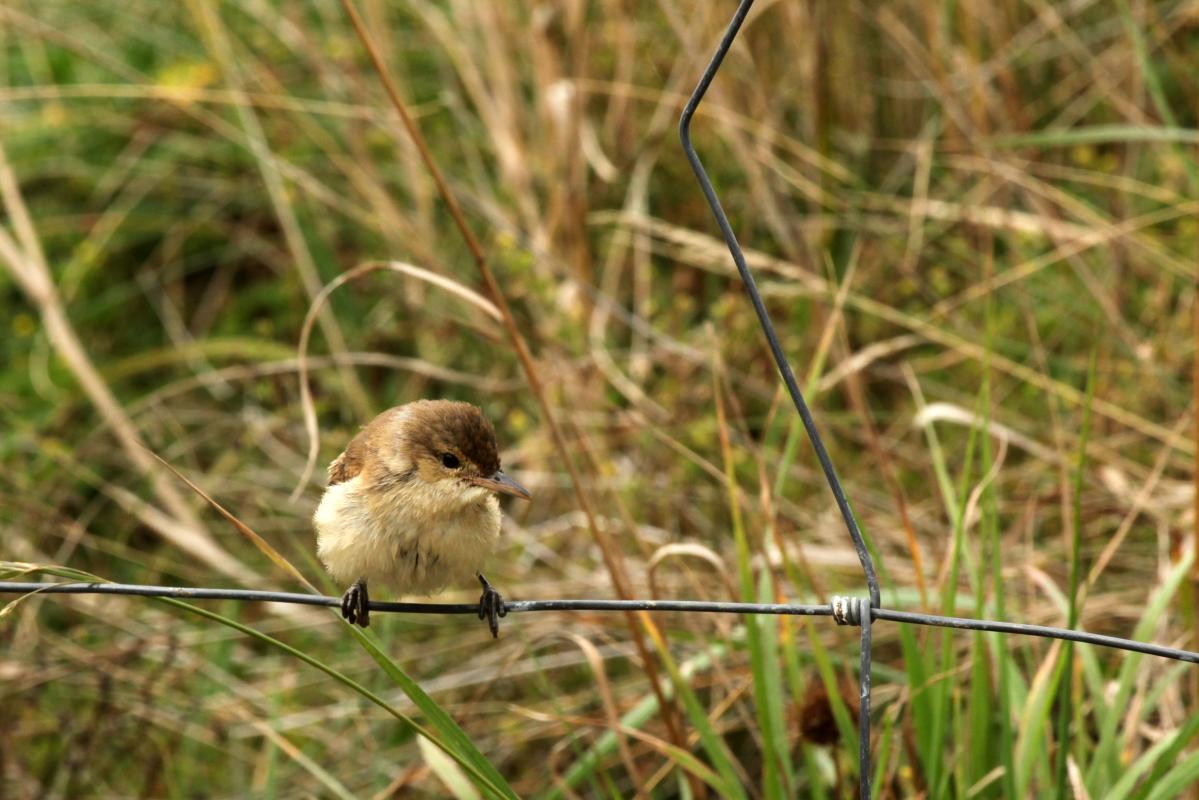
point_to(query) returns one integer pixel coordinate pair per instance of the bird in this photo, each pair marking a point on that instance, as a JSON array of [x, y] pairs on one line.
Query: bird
[[412, 503]]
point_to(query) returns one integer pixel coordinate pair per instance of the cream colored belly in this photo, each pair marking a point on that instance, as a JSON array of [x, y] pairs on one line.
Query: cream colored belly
[[400, 542]]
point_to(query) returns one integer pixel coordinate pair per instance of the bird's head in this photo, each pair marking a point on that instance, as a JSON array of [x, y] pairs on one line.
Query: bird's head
[[452, 445]]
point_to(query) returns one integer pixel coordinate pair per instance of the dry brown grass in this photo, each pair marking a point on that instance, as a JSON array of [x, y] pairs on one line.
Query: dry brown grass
[[950, 208]]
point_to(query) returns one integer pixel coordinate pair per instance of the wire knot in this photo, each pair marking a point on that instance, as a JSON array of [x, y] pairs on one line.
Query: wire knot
[[848, 610]]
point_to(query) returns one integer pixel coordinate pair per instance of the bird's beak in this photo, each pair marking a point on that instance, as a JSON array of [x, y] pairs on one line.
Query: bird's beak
[[499, 482]]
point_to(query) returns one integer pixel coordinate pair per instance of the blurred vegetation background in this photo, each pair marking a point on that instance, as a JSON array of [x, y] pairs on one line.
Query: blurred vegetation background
[[959, 213]]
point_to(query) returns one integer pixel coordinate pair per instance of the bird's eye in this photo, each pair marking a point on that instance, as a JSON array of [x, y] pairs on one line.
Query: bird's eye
[[450, 461]]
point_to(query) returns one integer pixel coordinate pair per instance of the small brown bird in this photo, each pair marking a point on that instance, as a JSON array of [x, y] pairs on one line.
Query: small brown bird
[[411, 503]]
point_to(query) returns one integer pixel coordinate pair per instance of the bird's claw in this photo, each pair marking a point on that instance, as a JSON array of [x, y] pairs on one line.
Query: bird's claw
[[355, 604], [491, 607]]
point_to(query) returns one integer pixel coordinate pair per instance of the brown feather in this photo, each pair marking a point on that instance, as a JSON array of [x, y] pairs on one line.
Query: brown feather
[[454, 427], [349, 463], [431, 427], [352, 460]]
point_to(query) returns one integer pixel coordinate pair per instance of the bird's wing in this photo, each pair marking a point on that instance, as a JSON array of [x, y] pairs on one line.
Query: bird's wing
[[349, 463]]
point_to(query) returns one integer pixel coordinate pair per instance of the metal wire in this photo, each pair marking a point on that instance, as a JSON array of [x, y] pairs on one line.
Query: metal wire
[[862, 614], [512, 606], [865, 651], [853, 611], [755, 297], [1037, 630], [784, 367]]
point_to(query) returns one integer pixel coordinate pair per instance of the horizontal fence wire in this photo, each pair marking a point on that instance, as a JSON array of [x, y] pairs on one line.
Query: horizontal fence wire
[[683, 606]]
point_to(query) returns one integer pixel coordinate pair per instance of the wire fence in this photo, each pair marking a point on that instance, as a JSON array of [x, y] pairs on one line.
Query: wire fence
[[857, 611], [844, 610], [853, 611]]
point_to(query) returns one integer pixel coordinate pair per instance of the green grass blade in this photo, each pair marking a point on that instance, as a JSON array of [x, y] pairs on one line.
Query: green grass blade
[[767, 691], [466, 755], [714, 746], [1177, 781], [1155, 762], [1065, 675], [765, 662], [634, 719], [1098, 134], [1151, 70], [1105, 764], [336, 787], [1034, 728], [454, 739], [932, 746], [486, 779], [449, 773]]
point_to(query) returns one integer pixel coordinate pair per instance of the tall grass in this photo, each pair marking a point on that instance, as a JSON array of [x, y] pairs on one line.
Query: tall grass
[[960, 214]]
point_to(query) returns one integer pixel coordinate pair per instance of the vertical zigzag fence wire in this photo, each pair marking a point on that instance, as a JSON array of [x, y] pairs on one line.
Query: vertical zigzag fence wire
[[851, 611], [846, 611], [858, 611]]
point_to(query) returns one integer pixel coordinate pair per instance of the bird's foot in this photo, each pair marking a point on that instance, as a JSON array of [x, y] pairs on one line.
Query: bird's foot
[[491, 607], [355, 604]]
